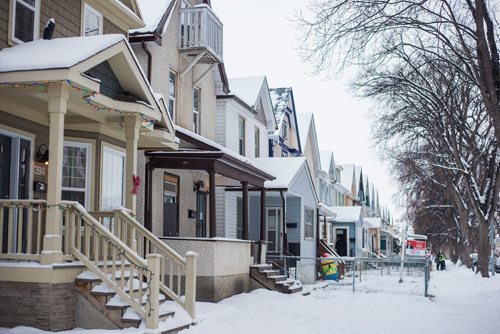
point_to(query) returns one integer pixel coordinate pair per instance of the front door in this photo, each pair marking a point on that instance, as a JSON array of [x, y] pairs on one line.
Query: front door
[[274, 229], [201, 214], [341, 241], [170, 205]]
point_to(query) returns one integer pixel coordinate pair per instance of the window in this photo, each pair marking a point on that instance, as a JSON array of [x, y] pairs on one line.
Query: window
[[75, 173], [308, 223], [284, 130], [92, 21], [172, 88], [241, 135], [113, 179], [26, 18], [257, 142], [196, 110]]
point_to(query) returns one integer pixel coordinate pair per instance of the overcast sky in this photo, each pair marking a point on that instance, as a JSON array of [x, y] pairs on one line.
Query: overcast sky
[[260, 39]]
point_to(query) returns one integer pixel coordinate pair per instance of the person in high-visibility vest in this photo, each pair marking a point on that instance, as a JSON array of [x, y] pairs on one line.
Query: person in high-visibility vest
[[442, 261], [329, 268]]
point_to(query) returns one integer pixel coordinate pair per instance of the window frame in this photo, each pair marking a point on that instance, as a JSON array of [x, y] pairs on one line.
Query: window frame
[[86, 6], [172, 98], [284, 130], [86, 190], [308, 227], [12, 26], [241, 137], [196, 111], [256, 138]]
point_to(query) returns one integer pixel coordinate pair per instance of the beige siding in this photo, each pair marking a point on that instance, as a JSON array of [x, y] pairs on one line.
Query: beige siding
[[67, 14], [4, 23], [111, 28]]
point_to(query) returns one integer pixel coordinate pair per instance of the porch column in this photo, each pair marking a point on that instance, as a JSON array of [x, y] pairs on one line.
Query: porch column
[[132, 124], [263, 234], [245, 210], [211, 203], [52, 240]]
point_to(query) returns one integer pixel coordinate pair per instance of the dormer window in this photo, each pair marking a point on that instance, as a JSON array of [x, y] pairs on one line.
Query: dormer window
[[92, 21], [25, 22]]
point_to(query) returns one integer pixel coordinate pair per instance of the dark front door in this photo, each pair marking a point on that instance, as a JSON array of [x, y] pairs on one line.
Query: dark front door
[[341, 242], [201, 214], [170, 205], [5, 151]]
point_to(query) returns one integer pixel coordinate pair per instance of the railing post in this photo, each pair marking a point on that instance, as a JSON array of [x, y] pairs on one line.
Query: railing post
[[191, 283], [153, 313]]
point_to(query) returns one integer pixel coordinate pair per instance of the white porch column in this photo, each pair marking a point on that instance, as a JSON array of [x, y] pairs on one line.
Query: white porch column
[[132, 124], [52, 240]]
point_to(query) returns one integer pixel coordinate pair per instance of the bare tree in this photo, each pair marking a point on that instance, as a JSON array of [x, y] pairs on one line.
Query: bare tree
[[344, 32]]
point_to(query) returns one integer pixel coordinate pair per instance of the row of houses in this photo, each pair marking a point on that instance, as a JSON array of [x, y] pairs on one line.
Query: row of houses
[[122, 137]]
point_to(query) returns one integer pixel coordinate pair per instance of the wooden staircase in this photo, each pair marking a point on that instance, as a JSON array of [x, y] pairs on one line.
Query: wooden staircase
[[273, 280], [119, 312]]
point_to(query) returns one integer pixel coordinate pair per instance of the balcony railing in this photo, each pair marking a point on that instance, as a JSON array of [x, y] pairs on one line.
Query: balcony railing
[[200, 28]]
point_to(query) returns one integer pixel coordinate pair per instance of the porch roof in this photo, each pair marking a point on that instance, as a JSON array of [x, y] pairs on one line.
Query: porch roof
[[207, 155], [347, 214]]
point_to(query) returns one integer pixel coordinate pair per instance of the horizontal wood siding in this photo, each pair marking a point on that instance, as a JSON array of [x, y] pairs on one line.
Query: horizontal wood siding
[[4, 23], [294, 215], [220, 122], [67, 15], [109, 27], [230, 220], [220, 208], [254, 218], [302, 185]]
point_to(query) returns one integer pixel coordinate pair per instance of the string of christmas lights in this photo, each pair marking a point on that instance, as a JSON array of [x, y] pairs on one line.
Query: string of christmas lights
[[87, 96]]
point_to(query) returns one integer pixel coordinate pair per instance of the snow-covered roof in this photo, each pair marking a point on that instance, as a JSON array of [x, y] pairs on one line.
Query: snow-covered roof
[[346, 214], [374, 222], [152, 12], [247, 88], [285, 170], [325, 210], [304, 124], [57, 53], [279, 98], [346, 176]]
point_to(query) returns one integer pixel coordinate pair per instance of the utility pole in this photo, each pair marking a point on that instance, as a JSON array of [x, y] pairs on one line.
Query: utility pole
[[403, 250]]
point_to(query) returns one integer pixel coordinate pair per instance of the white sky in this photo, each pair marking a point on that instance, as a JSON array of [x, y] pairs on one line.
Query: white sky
[[260, 39]]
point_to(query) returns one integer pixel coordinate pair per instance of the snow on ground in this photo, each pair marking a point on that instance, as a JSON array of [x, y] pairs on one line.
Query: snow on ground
[[462, 302]]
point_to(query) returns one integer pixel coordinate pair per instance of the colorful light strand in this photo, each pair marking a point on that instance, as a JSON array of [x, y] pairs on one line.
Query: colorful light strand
[[87, 96]]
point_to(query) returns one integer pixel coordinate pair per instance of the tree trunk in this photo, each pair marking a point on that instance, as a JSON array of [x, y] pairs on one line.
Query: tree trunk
[[483, 249]]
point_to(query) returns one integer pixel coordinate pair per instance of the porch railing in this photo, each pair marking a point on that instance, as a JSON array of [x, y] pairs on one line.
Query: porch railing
[[22, 226], [200, 27], [177, 274], [128, 258]]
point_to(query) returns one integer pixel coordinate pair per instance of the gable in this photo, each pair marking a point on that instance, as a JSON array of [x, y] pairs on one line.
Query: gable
[[110, 85], [303, 185]]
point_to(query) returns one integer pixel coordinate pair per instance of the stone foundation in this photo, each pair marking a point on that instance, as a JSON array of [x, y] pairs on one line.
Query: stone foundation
[[48, 306]]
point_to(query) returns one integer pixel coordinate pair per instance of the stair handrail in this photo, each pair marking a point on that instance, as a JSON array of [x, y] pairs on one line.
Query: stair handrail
[[146, 269], [186, 264], [286, 256]]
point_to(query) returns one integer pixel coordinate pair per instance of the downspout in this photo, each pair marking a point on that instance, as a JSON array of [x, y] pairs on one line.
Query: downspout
[[283, 206], [148, 222], [150, 60]]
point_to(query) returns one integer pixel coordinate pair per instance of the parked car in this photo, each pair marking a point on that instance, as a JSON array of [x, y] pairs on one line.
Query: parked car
[[497, 265]]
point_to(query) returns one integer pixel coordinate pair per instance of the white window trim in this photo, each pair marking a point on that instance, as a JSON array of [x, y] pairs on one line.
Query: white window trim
[[12, 26], [283, 132], [278, 236], [95, 11], [257, 145], [243, 140], [306, 208], [88, 146], [121, 154], [172, 97], [197, 112]]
